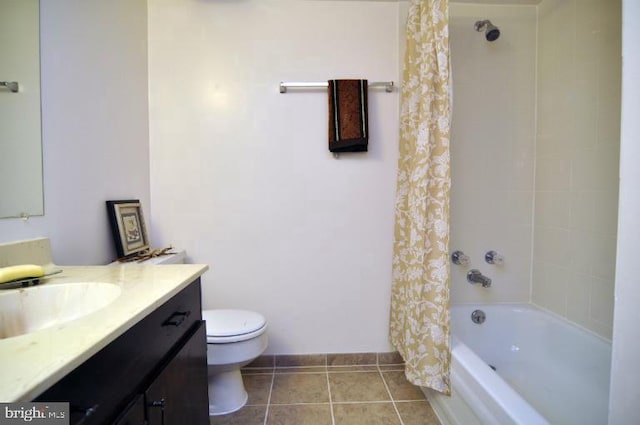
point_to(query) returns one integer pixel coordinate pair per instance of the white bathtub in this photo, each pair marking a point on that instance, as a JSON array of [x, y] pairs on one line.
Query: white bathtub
[[548, 371]]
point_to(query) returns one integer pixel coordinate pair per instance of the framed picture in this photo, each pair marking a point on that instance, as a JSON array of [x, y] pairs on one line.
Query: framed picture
[[127, 226]]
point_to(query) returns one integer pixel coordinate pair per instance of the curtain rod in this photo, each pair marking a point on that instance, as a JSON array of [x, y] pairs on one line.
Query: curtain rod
[[388, 85]]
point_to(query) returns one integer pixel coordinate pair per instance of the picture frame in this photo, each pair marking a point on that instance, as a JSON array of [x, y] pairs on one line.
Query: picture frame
[[128, 227]]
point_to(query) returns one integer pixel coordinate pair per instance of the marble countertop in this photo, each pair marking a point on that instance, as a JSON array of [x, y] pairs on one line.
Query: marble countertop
[[31, 363]]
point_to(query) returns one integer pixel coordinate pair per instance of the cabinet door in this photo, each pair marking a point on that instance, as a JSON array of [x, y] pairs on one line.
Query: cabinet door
[[134, 414], [179, 395]]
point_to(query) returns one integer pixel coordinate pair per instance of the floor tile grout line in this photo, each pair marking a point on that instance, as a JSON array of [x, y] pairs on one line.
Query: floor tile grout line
[[300, 403], [333, 418], [266, 412], [326, 403], [303, 403], [390, 396], [270, 369], [364, 402]]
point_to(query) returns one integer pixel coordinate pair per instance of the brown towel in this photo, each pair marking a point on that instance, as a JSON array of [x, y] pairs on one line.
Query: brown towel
[[348, 124]]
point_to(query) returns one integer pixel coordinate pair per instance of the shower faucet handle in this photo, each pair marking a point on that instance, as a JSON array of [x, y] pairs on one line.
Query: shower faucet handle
[[493, 257], [460, 258]]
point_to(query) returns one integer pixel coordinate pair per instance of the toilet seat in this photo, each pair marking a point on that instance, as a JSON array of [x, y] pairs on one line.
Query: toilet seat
[[228, 325]]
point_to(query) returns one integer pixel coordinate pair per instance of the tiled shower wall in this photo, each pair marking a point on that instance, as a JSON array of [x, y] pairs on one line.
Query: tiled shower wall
[[577, 152], [535, 148], [492, 149]]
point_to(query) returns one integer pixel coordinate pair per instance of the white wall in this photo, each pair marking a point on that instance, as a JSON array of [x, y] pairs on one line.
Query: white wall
[[492, 149], [94, 123], [625, 391], [577, 155], [241, 175]]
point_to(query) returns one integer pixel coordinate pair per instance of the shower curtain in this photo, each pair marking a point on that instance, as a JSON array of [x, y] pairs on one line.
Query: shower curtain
[[419, 322]]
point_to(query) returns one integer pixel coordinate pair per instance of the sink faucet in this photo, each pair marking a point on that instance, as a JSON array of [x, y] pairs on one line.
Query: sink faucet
[[475, 276]]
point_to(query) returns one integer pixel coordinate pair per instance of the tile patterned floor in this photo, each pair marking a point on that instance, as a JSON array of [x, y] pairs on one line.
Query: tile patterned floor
[[333, 393]]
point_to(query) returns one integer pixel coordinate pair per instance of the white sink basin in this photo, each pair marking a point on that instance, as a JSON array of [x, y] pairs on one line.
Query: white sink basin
[[31, 309]]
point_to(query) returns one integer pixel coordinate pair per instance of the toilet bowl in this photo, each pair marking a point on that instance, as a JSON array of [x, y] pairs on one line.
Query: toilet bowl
[[234, 339]]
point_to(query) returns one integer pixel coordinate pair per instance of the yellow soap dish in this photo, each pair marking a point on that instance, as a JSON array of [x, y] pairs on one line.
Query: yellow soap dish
[[25, 283]]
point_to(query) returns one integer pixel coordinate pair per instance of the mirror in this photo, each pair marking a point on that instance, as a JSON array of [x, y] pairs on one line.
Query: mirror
[[21, 181]]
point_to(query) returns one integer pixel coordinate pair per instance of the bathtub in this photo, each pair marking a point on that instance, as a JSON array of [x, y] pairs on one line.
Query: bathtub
[[547, 371]]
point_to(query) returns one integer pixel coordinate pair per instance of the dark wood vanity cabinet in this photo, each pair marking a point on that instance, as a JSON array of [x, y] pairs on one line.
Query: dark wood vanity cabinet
[[155, 373], [134, 414]]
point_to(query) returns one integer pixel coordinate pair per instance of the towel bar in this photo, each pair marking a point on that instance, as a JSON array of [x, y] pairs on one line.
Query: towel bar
[[11, 85], [388, 85]]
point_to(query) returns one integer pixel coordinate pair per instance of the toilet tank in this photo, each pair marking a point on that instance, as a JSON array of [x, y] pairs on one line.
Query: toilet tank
[[177, 258]]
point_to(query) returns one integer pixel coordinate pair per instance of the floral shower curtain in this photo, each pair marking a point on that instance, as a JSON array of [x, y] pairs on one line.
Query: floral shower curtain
[[419, 325]]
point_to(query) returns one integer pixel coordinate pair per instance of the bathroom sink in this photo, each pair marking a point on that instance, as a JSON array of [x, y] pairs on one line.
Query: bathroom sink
[[28, 310]]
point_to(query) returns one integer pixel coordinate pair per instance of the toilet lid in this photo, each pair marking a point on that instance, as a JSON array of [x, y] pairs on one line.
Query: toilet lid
[[226, 323]]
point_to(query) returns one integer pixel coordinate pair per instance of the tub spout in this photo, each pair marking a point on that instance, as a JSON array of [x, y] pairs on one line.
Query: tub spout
[[475, 276]]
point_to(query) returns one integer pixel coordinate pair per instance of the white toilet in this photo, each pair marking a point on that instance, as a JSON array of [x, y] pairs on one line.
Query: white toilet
[[234, 339]]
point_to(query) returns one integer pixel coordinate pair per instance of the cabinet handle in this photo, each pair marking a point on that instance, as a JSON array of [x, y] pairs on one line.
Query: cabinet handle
[[88, 411], [161, 404], [176, 318]]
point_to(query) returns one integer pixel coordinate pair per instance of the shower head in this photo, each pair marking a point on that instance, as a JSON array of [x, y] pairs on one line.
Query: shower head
[[491, 32]]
